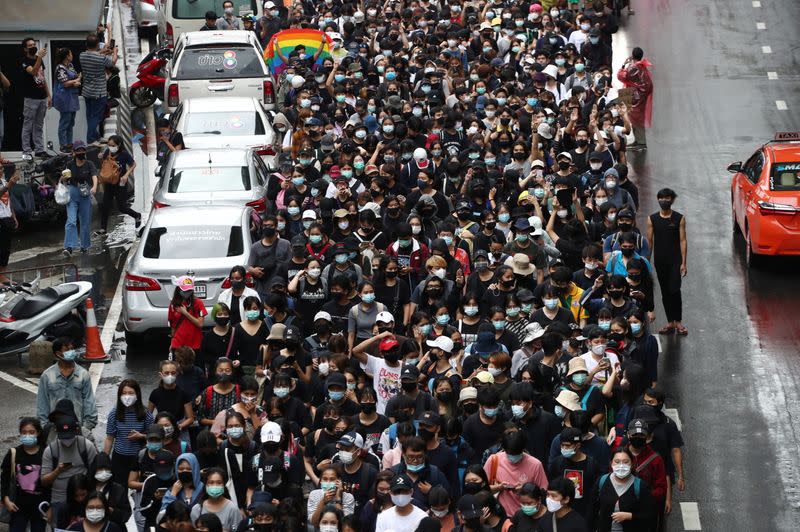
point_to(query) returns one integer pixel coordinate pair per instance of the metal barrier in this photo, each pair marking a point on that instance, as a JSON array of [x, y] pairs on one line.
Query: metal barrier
[[52, 275]]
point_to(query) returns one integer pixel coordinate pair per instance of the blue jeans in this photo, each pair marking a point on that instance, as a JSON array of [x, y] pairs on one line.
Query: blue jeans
[[79, 210], [95, 110], [66, 123]]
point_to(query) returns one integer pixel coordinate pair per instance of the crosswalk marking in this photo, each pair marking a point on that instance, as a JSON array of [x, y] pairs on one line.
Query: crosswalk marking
[[691, 516]]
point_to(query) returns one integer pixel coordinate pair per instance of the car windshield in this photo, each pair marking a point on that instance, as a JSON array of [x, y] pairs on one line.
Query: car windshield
[[227, 124], [194, 242], [785, 176], [197, 8], [210, 179], [224, 61]]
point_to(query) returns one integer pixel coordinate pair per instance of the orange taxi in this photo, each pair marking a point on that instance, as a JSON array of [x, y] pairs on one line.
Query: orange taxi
[[765, 198]]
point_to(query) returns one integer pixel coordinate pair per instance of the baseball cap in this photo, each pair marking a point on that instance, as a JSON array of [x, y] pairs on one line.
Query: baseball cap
[[637, 427], [67, 427], [352, 439], [385, 317], [409, 374], [291, 334], [155, 432], [485, 377], [571, 435], [309, 214], [468, 506], [468, 392], [163, 463], [442, 342], [326, 142], [401, 483], [430, 418], [78, 145], [271, 431], [336, 379], [322, 315]]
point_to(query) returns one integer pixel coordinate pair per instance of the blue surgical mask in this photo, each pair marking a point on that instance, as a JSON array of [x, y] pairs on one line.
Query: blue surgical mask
[[529, 509], [336, 395], [448, 240], [69, 355], [470, 311], [514, 458], [297, 181], [425, 329], [558, 410], [636, 328], [533, 101], [215, 491], [391, 75], [28, 439], [154, 446], [368, 298], [490, 162], [605, 325], [251, 315], [293, 211], [503, 217], [499, 325], [340, 259], [518, 411], [568, 453], [580, 378], [281, 392], [415, 468], [444, 319], [501, 101], [235, 432], [315, 239], [490, 412]]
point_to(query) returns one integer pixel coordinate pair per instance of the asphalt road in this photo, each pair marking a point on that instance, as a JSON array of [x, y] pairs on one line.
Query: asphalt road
[[734, 379]]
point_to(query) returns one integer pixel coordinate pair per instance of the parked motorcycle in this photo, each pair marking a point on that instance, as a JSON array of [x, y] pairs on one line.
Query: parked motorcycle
[[33, 197], [27, 313], [150, 82]]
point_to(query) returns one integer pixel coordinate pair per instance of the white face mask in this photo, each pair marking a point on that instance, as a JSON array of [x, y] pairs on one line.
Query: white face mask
[[416, 229], [314, 273], [553, 506], [562, 213], [346, 457], [113, 149], [95, 515], [596, 166], [169, 380], [103, 475], [401, 499], [324, 368], [439, 513], [328, 528], [439, 272], [128, 399], [598, 349], [590, 265], [621, 470]]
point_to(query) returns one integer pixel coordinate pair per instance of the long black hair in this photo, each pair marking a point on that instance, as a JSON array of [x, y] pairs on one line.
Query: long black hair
[[138, 406]]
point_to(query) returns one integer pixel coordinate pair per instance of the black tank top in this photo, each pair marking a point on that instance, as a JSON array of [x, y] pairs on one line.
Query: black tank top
[[666, 237]]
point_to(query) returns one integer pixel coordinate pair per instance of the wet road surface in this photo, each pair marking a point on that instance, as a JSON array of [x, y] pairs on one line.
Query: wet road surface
[[734, 380]]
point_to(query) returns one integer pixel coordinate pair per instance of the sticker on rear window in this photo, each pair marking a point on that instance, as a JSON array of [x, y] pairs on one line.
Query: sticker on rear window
[[787, 167], [229, 59], [236, 123]]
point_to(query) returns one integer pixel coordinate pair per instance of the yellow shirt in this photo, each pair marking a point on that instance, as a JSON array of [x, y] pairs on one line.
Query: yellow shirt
[[572, 302]]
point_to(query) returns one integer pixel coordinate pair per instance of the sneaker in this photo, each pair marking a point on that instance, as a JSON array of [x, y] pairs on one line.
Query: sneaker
[[42, 154], [84, 251], [66, 148], [100, 232], [67, 252]]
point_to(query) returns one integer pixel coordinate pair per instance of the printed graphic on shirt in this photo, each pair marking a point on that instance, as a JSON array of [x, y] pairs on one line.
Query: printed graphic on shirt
[[388, 384], [28, 477], [576, 476]]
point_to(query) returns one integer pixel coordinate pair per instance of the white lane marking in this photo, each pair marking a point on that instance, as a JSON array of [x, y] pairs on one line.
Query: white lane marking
[[25, 385], [756, 3], [691, 516], [781, 105], [766, 49], [772, 75], [673, 415], [761, 25], [658, 341]]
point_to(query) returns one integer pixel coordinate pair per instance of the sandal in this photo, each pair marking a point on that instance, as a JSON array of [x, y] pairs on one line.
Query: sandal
[[666, 329], [680, 330]]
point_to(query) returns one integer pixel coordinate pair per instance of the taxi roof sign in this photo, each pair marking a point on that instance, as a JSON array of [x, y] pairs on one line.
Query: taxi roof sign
[[787, 135]]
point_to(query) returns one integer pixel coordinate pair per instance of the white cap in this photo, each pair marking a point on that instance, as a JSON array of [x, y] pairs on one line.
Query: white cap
[[385, 317], [420, 154], [532, 332], [551, 70], [322, 315], [537, 162], [536, 224], [358, 16], [309, 214], [371, 206], [442, 342], [269, 4], [271, 431], [298, 81]]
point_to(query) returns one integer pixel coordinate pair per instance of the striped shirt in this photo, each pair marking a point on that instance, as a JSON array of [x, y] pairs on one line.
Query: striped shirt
[[93, 67], [120, 430]]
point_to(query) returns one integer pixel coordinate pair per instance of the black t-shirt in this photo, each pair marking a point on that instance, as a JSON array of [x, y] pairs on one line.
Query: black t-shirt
[[584, 474], [171, 401], [82, 173], [563, 315], [372, 433], [162, 150], [360, 483], [480, 436], [338, 315], [33, 87], [394, 298], [571, 522], [308, 301]]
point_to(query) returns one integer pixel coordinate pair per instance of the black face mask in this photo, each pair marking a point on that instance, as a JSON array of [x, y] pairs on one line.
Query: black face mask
[[624, 226], [391, 274], [393, 212], [615, 294], [582, 143], [563, 165], [185, 477], [490, 225], [664, 204], [267, 232], [322, 328], [617, 337], [384, 329], [271, 446], [518, 156], [402, 416], [627, 252], [445, 397], [635, 277], [409, 386], [426, 434], [329, 423], [80, 156], [368, 408], [508, 284], [222, 321], [224, 377], [434, 292], [470, 408], [472, 488], [638, 443]]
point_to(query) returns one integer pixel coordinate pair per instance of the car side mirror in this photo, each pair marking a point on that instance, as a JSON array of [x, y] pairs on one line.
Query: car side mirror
[[735, 167], [160, 171], [140, 232]]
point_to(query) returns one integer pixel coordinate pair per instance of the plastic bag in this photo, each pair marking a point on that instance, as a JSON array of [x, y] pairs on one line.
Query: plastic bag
[[62, 194]]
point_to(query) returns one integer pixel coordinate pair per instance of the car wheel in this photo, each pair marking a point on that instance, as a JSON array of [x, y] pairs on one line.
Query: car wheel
[[752, 258], [134, 340], [734, 224]]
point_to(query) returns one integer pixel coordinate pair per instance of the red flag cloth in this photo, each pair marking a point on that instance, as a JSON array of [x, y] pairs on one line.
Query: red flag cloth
[[636, 75]]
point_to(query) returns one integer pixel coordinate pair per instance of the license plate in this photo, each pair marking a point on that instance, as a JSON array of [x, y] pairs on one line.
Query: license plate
[[200, 291]]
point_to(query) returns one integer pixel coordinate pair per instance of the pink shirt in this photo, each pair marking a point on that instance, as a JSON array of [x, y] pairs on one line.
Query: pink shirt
[[529, 469]]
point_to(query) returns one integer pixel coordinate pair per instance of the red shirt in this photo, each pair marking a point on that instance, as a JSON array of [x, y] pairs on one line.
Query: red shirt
[[186, 334]]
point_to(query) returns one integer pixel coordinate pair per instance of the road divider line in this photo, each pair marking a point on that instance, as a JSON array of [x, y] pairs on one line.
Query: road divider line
[[658, 341], [781, 105], [691, 516], [672, 413], [772, 75], [756, 3], [19, 383], [761, 25], [766, 49]]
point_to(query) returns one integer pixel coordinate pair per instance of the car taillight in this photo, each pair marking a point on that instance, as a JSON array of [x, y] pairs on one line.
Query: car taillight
[[170, 35], [269, 92], [265, 150], [767, 207], [159, 205], [260, 205], [137, 283], [173, 95], [7, 319], [151, 2]]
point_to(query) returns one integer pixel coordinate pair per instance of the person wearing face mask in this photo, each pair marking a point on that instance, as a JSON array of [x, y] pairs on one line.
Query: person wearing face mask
[[622, 501], [410, 252], [403, 516], [437, 452], [484, 428], [266, 255], [66, 380], [234, 296], [617, 196], [185, 315], [505, 469], [532, 508], [422, 400], [649, 466], [167, 397], [184, 485], [215, 499], [359, 469], [330, 493], [471, 515], [21, 491], [236, 454], [69, 455], [81, 177], [116, 167], [221, 395], [538, 425], [253, 415], [596, 52], [599, 359], [560, 516], [146, 462], [126, 429], [369, 424], [578, 467], [97, 516], [229, 20], [385, 370], [522, 244], [423, 475], [118, 509], [590, 396]]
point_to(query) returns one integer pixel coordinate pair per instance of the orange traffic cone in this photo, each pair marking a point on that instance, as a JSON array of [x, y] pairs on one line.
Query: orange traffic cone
[[94, 347]]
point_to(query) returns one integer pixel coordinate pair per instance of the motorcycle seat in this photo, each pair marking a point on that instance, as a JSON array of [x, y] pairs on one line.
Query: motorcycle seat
[[33, 305]]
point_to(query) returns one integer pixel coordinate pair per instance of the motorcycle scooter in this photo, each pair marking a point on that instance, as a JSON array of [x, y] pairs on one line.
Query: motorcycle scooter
[[150, 82], [27, 313]]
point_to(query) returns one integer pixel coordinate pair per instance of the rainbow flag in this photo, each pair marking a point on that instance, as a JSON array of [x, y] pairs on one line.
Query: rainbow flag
[[288, 39]]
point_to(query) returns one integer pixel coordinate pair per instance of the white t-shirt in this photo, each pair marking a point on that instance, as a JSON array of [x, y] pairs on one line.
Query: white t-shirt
[[591, 363], [386, 380], [390, 521]]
